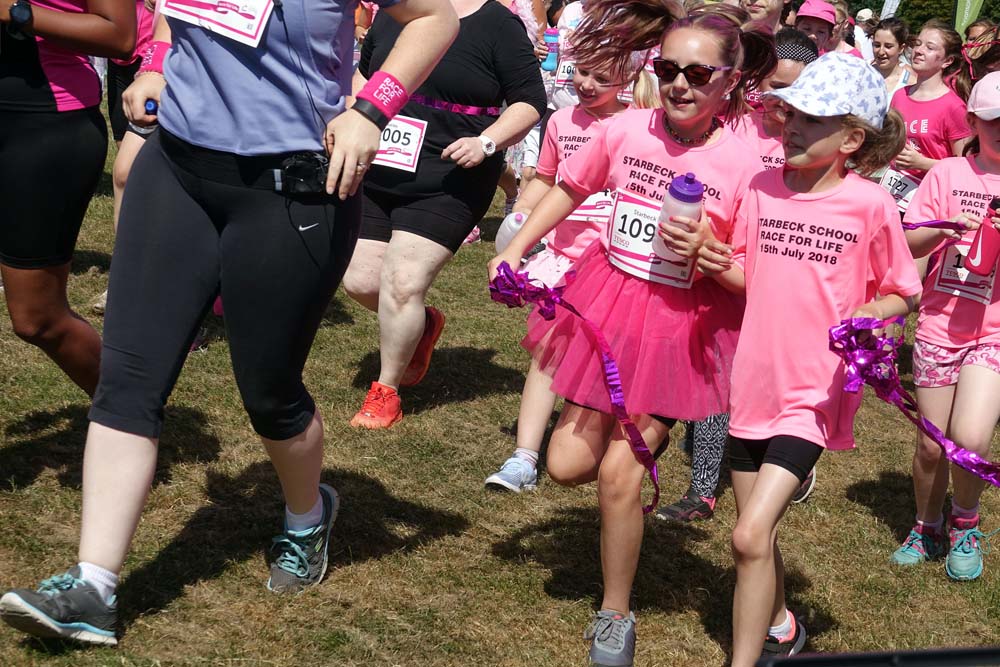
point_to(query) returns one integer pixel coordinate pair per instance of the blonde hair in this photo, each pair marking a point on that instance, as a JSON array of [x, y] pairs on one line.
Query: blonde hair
[[645, 92], [880, 147]]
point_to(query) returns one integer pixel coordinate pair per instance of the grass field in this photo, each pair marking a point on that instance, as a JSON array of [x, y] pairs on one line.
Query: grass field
[[427, 568]]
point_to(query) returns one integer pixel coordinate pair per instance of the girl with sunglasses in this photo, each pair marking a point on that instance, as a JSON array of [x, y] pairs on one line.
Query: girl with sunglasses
[[569, 129], [813, 241], [671, 332]]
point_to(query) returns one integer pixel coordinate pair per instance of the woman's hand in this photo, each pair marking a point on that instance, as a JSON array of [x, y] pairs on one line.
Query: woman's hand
[[466, 152], [351, 141], [494, 266], [714, 257], [686, 235], [146, 86], [910, 158]]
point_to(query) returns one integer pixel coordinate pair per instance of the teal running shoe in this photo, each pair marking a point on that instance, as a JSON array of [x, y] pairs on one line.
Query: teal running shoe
[[64, 607], [965, 557], [301, 556], [920, 546]]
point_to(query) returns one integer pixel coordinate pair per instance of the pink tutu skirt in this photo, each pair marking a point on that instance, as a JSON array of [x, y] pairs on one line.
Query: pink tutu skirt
[[674, 347]]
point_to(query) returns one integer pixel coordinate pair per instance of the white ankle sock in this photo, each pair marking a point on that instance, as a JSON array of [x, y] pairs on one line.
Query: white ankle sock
[[783, 630], [305, 521], [105, 581], [963, 512], [528, 455]]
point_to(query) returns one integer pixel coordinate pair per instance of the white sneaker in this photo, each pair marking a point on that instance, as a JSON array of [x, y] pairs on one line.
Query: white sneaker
[[515, 475]]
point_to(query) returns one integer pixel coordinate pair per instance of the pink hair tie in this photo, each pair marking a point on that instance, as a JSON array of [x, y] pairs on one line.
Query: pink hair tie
[[381, 98], [152, 60]]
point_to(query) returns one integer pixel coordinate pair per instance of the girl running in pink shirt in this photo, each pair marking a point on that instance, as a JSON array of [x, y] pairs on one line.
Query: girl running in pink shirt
[[809, 240], [569, 129], [956, 356], [672, 333]]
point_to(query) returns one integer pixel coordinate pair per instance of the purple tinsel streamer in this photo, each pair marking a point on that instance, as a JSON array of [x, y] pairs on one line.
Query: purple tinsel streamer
[[515, 289], [934, 224], [871, 359]]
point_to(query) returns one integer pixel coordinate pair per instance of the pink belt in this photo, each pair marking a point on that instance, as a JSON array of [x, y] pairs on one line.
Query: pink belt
[[455, 108]]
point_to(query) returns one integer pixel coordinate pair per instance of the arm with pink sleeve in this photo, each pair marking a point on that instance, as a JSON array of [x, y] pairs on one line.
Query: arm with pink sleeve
[[539, 186], [548, 156], [928, 203], [734, 279], [892, 265]]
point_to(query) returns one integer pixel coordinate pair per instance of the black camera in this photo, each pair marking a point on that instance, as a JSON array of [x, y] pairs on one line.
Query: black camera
[[302, 174]]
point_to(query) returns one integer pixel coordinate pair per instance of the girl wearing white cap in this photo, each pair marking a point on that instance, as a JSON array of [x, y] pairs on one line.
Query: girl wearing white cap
[[812, 241], [956, 355]]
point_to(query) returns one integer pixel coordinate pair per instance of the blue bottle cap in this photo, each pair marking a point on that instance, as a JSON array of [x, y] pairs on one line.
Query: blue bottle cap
[[152, 107]]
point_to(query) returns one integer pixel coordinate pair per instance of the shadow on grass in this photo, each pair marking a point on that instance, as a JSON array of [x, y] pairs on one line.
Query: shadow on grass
[[448, 380], [488, 227], [84, 260], [336, 313], [670, 578], [890, 499], [54, 439], [106, 186], [243, 514]]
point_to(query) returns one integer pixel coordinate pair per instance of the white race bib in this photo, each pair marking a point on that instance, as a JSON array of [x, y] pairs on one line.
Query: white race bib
[[595, 208], [953, 278], [242, 21], [564, 73], [634, 223], [400, 144], [900, 186]]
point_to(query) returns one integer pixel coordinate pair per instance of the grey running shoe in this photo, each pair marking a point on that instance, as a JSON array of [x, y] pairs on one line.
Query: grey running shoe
[[301, 556], [790, 645], [515, 475], [101, 304], [805, 488], [612, 638], [64, 607], [690, 507]]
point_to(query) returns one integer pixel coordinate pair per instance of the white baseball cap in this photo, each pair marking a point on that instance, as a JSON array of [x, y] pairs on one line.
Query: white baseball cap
[[837, 84], [864, 14], [984, 100]]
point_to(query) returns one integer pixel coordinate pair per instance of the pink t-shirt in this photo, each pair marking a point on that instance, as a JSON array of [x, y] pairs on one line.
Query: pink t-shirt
[[808, 260], [633, 152], [959, 308], [750, 128], [70, 76], [143, 33], [932, 125], [568, 130]]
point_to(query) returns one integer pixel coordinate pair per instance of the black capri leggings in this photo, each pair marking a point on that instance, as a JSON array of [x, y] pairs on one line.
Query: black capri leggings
[[50, 165], [193, 219]]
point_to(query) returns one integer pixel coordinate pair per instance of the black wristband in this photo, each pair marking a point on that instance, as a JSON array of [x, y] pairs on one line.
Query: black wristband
[[371, 112]]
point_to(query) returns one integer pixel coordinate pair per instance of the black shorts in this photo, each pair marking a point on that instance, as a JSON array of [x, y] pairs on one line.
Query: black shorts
[[50, 165], [120, 77], [796, 455], [441, 218]]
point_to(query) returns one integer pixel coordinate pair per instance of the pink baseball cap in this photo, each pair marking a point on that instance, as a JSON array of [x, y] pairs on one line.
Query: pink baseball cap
[[984, 100], [817, 9]]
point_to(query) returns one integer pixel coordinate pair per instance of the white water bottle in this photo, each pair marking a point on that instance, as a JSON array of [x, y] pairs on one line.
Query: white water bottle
[[509, 228], [683, 198]]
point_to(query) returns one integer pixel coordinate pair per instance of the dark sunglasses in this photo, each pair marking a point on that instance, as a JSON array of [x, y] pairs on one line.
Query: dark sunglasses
[[696, 75]]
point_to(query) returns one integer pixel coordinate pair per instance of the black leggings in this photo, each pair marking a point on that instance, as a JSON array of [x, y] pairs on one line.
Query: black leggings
[[50, 165], [193, 220]]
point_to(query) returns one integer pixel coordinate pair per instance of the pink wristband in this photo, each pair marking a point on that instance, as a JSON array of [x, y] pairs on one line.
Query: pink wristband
[[385, 92], [152, 60]]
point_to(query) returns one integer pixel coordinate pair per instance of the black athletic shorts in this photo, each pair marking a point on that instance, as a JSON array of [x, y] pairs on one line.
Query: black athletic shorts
[[796, 455], [120, 77], [441, 218], [50, 165]]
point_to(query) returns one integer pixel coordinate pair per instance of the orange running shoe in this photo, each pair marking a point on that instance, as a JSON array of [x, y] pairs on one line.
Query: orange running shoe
[[421, 360], [381, 408]]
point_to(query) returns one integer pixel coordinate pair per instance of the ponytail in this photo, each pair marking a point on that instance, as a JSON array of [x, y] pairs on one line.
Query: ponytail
[[612, 30], [880, 147], [979, 57]]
